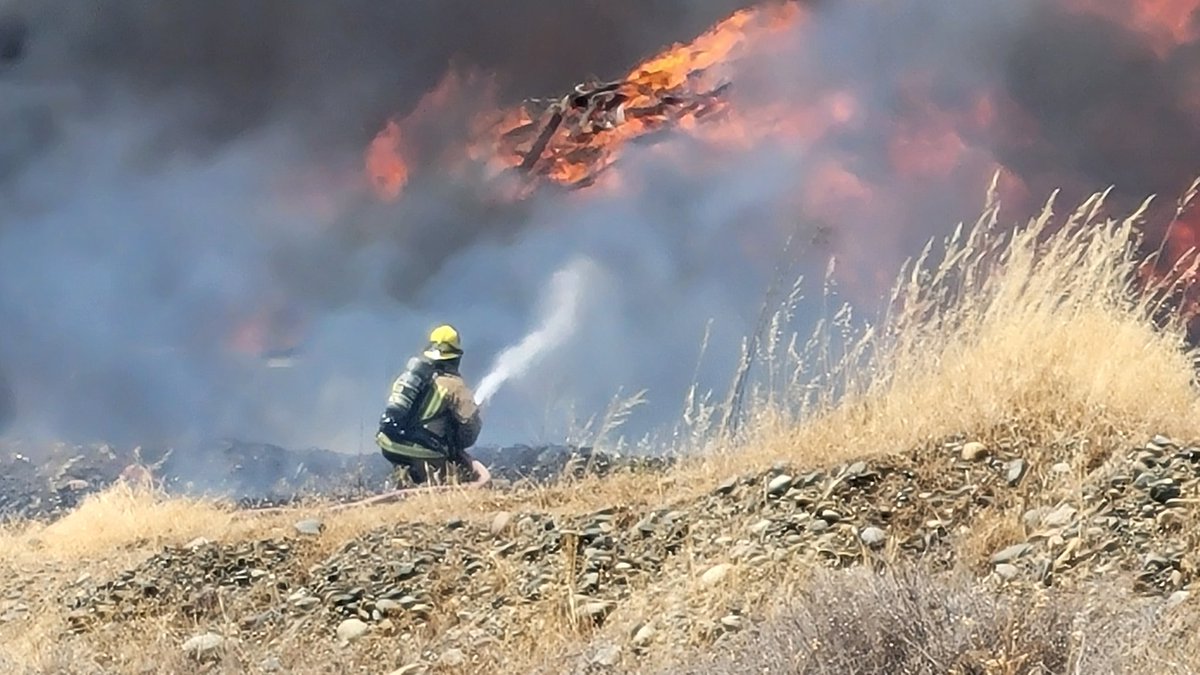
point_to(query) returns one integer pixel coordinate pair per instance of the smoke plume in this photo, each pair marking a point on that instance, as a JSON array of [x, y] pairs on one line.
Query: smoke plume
[[182, 194]]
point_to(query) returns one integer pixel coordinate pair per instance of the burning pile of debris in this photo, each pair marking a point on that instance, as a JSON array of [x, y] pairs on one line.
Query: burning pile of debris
[[571, 140], [870, 139], [566, 140]]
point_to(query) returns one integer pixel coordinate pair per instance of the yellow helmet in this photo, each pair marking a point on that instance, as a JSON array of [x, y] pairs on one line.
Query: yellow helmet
[[444, 344]]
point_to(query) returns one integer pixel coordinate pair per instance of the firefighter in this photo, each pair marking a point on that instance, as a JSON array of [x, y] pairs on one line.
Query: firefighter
[[431, 417]]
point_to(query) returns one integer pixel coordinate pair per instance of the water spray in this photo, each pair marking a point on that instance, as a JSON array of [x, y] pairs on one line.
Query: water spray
[[559, 318]]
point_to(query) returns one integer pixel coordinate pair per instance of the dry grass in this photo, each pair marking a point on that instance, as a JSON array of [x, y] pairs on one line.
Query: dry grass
[[1029, 336], [123, 517], [906, 620], [1038, 331]]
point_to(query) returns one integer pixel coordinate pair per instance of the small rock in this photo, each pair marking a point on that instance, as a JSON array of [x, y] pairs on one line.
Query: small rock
[[1006, 571], [351, 630], [1164, 490], [727, 486], [1061, 467], [830, 516], [732, 622], [872, 536], [201, 646], [1155, 561], [760, 527], [500, 522], [452, 658], [593, 609], [306, 603], [817, 525], [1177, 598], [342, 599], [387, 606], [1060, 517], [974, 451], [779, 484], [715, 574], [808, 479], [196, 543], [310, 527], [1016, 471], [644, 635], [607, 657], [1011, 553], [1033, 517], [271, 664], [1162, 441]]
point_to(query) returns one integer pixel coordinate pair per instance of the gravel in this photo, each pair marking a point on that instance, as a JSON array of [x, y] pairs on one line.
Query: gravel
[[475, 580]]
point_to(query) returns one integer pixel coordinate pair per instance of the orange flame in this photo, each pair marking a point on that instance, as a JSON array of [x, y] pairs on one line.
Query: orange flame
[[385, 162], [572, 140], [678, 88], [929, 146], [403, 145]]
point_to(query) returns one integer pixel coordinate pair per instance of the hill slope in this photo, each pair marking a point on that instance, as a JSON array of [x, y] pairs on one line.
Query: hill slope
[[994, 455]]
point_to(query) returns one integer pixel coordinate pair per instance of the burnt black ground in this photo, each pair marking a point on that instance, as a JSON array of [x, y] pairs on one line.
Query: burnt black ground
[[48, 481]]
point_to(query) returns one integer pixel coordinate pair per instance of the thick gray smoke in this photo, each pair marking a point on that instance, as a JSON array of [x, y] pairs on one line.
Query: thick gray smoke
[[152, 180], [170, 171]]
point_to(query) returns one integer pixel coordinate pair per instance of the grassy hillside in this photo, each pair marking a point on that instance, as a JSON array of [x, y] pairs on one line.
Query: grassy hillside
[[1004, 484]]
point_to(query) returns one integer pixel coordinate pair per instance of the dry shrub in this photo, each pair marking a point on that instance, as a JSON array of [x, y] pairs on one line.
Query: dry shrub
[[906, 620]]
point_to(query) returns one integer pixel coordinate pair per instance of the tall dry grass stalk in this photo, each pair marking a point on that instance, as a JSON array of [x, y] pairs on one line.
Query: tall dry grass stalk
[[1046, 326]]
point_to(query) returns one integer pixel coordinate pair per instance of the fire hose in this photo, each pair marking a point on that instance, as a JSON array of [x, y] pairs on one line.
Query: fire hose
[[483, 478]]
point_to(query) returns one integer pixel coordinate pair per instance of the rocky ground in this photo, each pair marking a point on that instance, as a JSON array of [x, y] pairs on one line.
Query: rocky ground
[[47, 481], [454, 593]]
